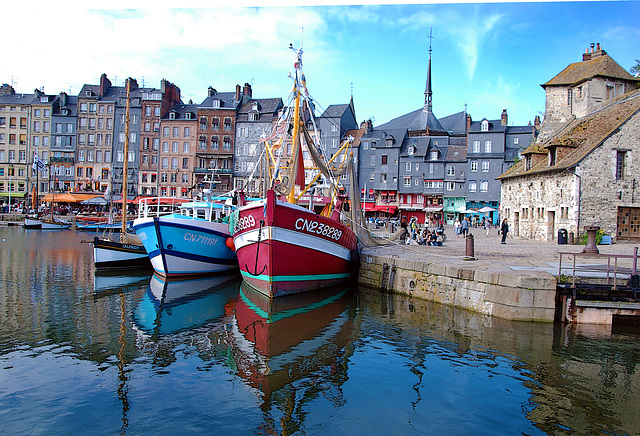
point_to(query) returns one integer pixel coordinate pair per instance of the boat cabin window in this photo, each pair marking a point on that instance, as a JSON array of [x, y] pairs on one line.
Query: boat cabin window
[[201, 213]]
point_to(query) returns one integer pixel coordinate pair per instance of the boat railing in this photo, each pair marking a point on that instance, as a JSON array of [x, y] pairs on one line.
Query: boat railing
[[158, 206]]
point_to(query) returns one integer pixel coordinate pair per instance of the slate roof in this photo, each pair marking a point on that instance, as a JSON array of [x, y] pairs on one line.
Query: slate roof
[[181, 109], [335, 111], [16, 99], [494, 126], [578, 72], [582, 135], [266, 106], [456, 153], [227, 101], [414, 121], [455, 124]]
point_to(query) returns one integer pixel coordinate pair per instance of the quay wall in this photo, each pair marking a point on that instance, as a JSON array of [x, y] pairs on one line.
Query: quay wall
[[514, 295]]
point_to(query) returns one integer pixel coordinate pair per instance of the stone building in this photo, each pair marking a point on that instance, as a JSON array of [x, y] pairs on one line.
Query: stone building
[[63, 142], [583, 174]]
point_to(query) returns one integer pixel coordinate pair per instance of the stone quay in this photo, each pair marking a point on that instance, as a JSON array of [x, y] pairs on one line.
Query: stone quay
[[517, 280]]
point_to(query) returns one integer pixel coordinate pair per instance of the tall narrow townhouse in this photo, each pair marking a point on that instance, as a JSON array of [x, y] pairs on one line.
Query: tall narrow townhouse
[[95, 121], [156, 103], [40, 140], [177, 151], [216, 134], [63, 141], [255, 119], [14, 131]]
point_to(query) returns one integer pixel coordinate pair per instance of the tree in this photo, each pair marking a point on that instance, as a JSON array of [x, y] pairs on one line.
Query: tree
[[635, 70]]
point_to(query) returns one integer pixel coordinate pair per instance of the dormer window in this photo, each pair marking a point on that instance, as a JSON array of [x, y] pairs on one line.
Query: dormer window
[[484, 126], [172, 115], [44, 99], [187, 115], [88, 93], [412, 149], [434, 155], [216, 103], [254, 106]]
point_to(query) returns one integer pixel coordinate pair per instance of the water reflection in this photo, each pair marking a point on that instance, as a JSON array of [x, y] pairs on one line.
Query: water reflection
[[278, 343], [106, 351]]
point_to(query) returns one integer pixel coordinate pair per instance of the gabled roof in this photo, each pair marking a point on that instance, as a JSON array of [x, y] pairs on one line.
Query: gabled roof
[[266, 105], [335, 111], [455, 124], [582, 135], [494, 126], [227, 99], [181, 109], [417, 120], [578, 72]]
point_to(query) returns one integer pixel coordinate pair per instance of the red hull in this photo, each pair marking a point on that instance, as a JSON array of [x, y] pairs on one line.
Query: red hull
[[285, 249]]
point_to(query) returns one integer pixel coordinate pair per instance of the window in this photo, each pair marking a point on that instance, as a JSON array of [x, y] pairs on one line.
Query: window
[[407, 182], [69, 127], [485, 126], [384, 159], [172, 115], [408, 166], [185, 163], [176, 132], [620, 164], [372, 177], [476, 147], [187, 132], [487, 146], [516, 141], [174, 163], [474, 165], [450, 186], [226, 143], [215, 124], [185, 147], [165, 132], [165, 147], [214, 143], [227, 124], [365, 145], [156, 111], [383, 178], [485, 166], [165, 163], [451, 171], [174, 147], [431, 168], [434, 155], [373, 159], [473, 186]]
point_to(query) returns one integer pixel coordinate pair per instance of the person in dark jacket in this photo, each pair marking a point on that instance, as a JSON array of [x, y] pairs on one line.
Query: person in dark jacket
[[504, 229]]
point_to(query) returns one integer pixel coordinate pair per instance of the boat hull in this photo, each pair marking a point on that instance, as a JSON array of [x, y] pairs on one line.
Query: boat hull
[[115, 254], [32, 223], [183, 246], [285, 249]]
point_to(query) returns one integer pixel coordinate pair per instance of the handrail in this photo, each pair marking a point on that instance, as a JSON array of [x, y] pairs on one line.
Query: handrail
[[609, 257]]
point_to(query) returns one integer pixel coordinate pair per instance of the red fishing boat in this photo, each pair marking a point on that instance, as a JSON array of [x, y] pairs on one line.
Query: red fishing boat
[[282, 247]]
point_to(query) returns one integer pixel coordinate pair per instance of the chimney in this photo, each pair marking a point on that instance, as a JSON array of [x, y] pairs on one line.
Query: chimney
[[237, 92], [468, 121], [211, 92], [105, 84], [63, 99], [6, 89], [503, 118], [369, 125], [599, 52], [246, 90], [134, 83]]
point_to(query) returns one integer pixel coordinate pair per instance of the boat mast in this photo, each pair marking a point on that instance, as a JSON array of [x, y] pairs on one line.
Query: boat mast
[[126, 161]]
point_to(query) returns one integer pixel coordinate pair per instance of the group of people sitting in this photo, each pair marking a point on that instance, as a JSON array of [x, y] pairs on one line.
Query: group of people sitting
[[427, 237]]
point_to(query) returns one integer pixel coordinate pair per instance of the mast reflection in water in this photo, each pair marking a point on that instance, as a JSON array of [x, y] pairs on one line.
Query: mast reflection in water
[[135, 354]]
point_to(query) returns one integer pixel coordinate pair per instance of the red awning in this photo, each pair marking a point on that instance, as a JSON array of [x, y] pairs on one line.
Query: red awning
[[368, 207], [363, 190], [371, 191], [384, 193], [382, 208]]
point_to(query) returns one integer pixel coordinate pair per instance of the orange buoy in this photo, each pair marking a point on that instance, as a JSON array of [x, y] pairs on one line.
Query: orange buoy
[[230, 244]]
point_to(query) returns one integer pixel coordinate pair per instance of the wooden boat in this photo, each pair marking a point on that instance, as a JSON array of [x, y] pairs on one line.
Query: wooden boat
[[124, 250], [284, 248]]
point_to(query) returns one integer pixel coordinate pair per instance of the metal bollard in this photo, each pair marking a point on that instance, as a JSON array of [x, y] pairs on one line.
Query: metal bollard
[[469, 249]]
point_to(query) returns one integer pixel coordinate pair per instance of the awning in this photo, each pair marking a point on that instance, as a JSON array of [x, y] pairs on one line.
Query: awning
[[368, 207], [67, 197], [433, 209], [371, 191], [382, 208], [13, 194], [384, 193]]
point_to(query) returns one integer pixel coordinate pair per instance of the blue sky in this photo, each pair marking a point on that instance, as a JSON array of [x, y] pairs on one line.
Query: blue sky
[[489, 56]]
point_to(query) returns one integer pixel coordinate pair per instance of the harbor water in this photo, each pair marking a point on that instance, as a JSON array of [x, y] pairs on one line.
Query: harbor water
[[83, 352]]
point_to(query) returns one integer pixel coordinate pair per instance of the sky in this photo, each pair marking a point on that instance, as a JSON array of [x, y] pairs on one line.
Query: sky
[[487, 56]]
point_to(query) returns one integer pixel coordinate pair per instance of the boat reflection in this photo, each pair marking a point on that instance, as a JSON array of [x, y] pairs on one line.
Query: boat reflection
[[290, 338], [114, 281], [172, 306]]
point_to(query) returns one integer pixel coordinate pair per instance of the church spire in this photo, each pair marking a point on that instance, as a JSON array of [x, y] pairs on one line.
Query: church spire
[[427, 92]]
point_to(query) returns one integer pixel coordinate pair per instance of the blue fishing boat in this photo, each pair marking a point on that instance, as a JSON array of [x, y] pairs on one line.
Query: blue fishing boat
[[191, 241]]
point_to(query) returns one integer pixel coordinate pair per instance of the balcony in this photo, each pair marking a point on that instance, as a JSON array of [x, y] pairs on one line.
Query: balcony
[[54, 159]]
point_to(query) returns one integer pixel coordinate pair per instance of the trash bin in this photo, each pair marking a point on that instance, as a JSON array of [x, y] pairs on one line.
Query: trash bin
[[562, 236]]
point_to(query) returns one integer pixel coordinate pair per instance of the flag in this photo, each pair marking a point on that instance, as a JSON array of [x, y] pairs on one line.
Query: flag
[[38, 165]]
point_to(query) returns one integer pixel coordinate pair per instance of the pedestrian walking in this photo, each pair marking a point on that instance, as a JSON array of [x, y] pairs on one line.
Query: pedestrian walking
[[504, 229], [465, 226], [456, 227], [487, 226]]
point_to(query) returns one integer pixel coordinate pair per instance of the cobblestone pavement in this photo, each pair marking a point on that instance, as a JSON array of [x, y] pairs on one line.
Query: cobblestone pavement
[[516, 254]]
